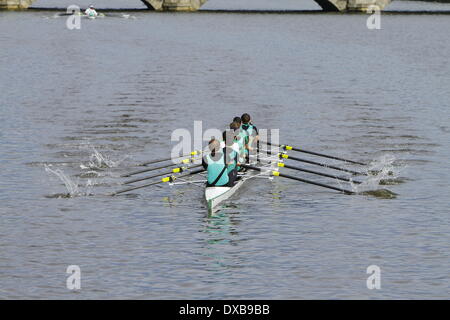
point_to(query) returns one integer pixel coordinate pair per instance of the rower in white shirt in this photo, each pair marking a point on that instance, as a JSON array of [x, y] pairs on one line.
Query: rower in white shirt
[[90, 12]]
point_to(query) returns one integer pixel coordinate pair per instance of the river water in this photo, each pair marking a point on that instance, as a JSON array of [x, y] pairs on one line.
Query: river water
[[81, 107]]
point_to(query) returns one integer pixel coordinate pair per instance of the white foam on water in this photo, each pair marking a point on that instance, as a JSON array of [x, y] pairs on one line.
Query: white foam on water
[[89, 186], [384, 166], [98, 160], [71, 186]]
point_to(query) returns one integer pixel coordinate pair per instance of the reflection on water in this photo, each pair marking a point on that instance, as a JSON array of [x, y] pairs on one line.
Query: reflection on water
[[219, 227]]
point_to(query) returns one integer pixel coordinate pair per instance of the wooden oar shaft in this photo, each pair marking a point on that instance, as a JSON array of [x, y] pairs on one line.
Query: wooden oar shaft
[[276, 173], [314, 153], [318, 173]]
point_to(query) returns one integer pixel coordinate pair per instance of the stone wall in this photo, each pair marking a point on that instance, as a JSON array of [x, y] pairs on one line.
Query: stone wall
[[332, 5], [326, 5], [15, 4], [193, 5], [351, 5], [174, 5], [363, 5]]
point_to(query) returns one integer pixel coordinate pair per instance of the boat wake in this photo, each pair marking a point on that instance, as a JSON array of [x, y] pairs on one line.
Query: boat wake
[[100, 15]]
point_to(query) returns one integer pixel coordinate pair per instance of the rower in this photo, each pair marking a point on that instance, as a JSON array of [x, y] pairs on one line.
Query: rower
[[90, 12], [241, 141], [233, 127], [214, 163], [251, 132], [231, 156]]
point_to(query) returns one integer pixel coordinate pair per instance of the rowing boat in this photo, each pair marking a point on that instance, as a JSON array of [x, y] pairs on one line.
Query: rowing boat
[[268, 164], [216, 195], [83, 15]]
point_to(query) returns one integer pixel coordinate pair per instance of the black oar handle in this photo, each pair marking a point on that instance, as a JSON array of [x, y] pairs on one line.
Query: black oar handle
[[286, 147]]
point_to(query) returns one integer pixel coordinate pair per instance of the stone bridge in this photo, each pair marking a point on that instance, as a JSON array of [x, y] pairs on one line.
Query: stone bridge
[[193, 5]]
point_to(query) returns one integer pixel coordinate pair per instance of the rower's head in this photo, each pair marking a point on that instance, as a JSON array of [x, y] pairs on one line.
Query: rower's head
[[214, 145], [245, 118], [91, 6], [235, 125], [229, 137], [238, 120]]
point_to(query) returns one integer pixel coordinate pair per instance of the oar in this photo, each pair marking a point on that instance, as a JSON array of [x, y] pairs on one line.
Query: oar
[[283, 165], [286, 156], [174, 170], [165, 179], [278, 174], [193, 153], [184, 161], [286, 147]]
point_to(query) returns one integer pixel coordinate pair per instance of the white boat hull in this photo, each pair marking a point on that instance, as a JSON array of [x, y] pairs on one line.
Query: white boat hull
[[215, 195]]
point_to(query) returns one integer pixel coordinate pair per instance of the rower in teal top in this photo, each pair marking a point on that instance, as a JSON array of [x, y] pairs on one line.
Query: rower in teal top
[[251, 133], [241, 139], [214, 163], [231, 154]]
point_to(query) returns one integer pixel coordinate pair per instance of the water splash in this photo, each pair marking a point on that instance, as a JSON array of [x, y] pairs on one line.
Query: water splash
[[71, 186], [90, 184], [381, 171], [89, 174], [100, 161]]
